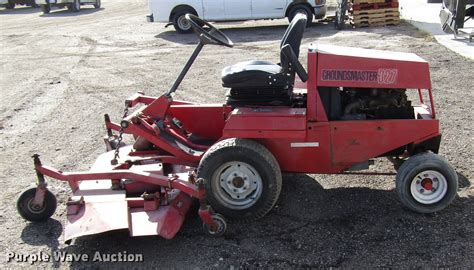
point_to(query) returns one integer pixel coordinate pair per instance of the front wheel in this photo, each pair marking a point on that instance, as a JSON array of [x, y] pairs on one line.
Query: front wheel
[[301, 9], [219, 229], [35, 213], [243, 179], [426, 183]]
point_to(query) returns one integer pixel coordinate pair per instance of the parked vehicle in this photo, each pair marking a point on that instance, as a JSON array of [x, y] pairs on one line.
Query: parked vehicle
[[454, 14], [10, 4], [173, 11], [72, 5]]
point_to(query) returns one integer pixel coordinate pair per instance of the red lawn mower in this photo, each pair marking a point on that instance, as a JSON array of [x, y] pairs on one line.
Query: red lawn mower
[[350, 107]]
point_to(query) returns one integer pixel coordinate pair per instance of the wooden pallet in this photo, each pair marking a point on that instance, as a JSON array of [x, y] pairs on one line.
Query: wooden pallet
[[374, 11], [375, 22], [375, 6], [358, 2], [392, 14]]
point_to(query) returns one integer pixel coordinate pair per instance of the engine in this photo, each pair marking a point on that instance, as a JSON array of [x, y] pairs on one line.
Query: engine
[[366, 104]]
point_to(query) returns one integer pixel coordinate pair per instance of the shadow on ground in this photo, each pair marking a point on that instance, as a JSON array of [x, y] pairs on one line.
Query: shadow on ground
[[243, 34], [66, 13], [47, 233], [19, 10]]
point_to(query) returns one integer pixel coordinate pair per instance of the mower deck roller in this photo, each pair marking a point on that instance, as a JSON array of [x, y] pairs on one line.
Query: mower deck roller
[[350, 106]]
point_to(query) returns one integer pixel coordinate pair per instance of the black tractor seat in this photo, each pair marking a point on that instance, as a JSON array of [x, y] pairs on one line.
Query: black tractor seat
[[254, 74], [260, 82]]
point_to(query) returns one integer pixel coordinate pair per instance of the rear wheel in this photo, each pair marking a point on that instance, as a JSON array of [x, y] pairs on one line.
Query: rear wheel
[[243, 179], [46, 9], [97, 4], [426, 183], [180, 22], [301, 9]]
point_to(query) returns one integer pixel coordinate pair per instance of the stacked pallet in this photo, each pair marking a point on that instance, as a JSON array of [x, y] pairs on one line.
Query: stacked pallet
[[365, 13]]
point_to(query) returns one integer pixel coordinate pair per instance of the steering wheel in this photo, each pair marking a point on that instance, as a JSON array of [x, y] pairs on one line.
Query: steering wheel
[[208, 33]]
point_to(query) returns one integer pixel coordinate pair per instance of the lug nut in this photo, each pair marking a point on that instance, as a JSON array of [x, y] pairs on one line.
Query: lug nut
[[422, 190]]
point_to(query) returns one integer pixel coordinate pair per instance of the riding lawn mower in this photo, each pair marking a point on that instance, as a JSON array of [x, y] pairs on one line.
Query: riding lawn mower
[[349, 107]]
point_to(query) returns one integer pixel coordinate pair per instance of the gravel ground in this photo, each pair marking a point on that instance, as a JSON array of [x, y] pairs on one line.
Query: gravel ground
[[60, 72]]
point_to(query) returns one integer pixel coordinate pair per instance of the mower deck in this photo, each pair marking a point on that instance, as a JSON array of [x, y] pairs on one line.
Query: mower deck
[[141, 199]]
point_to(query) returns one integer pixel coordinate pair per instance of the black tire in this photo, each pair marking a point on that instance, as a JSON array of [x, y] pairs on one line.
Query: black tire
[[76, 6], [410, 179], [10, 5], [97, 4], [46, 9], [26, 211], [260, 172], [221, 226], [340, 18], [301, 9], [180, 23]]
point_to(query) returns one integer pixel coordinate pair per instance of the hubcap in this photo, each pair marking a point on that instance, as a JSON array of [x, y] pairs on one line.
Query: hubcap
[[183, 23], [237, 185], [429, 187], [34, 208]]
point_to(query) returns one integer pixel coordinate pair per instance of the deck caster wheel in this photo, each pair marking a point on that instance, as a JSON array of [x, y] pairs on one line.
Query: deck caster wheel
[[243, 179], [426, 183], [31, 212], [217, 231]]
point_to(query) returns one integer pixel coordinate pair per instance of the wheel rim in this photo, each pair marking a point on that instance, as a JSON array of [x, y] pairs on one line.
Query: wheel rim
[[220, 226], [429, 187], [183, 23], [237, 185], [33, 208]]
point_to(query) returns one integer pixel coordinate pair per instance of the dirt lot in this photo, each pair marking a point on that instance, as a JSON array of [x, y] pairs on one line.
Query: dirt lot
[[61, 72]]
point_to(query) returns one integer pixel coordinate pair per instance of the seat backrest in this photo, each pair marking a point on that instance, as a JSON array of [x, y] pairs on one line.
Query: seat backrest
[[293, 37]]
